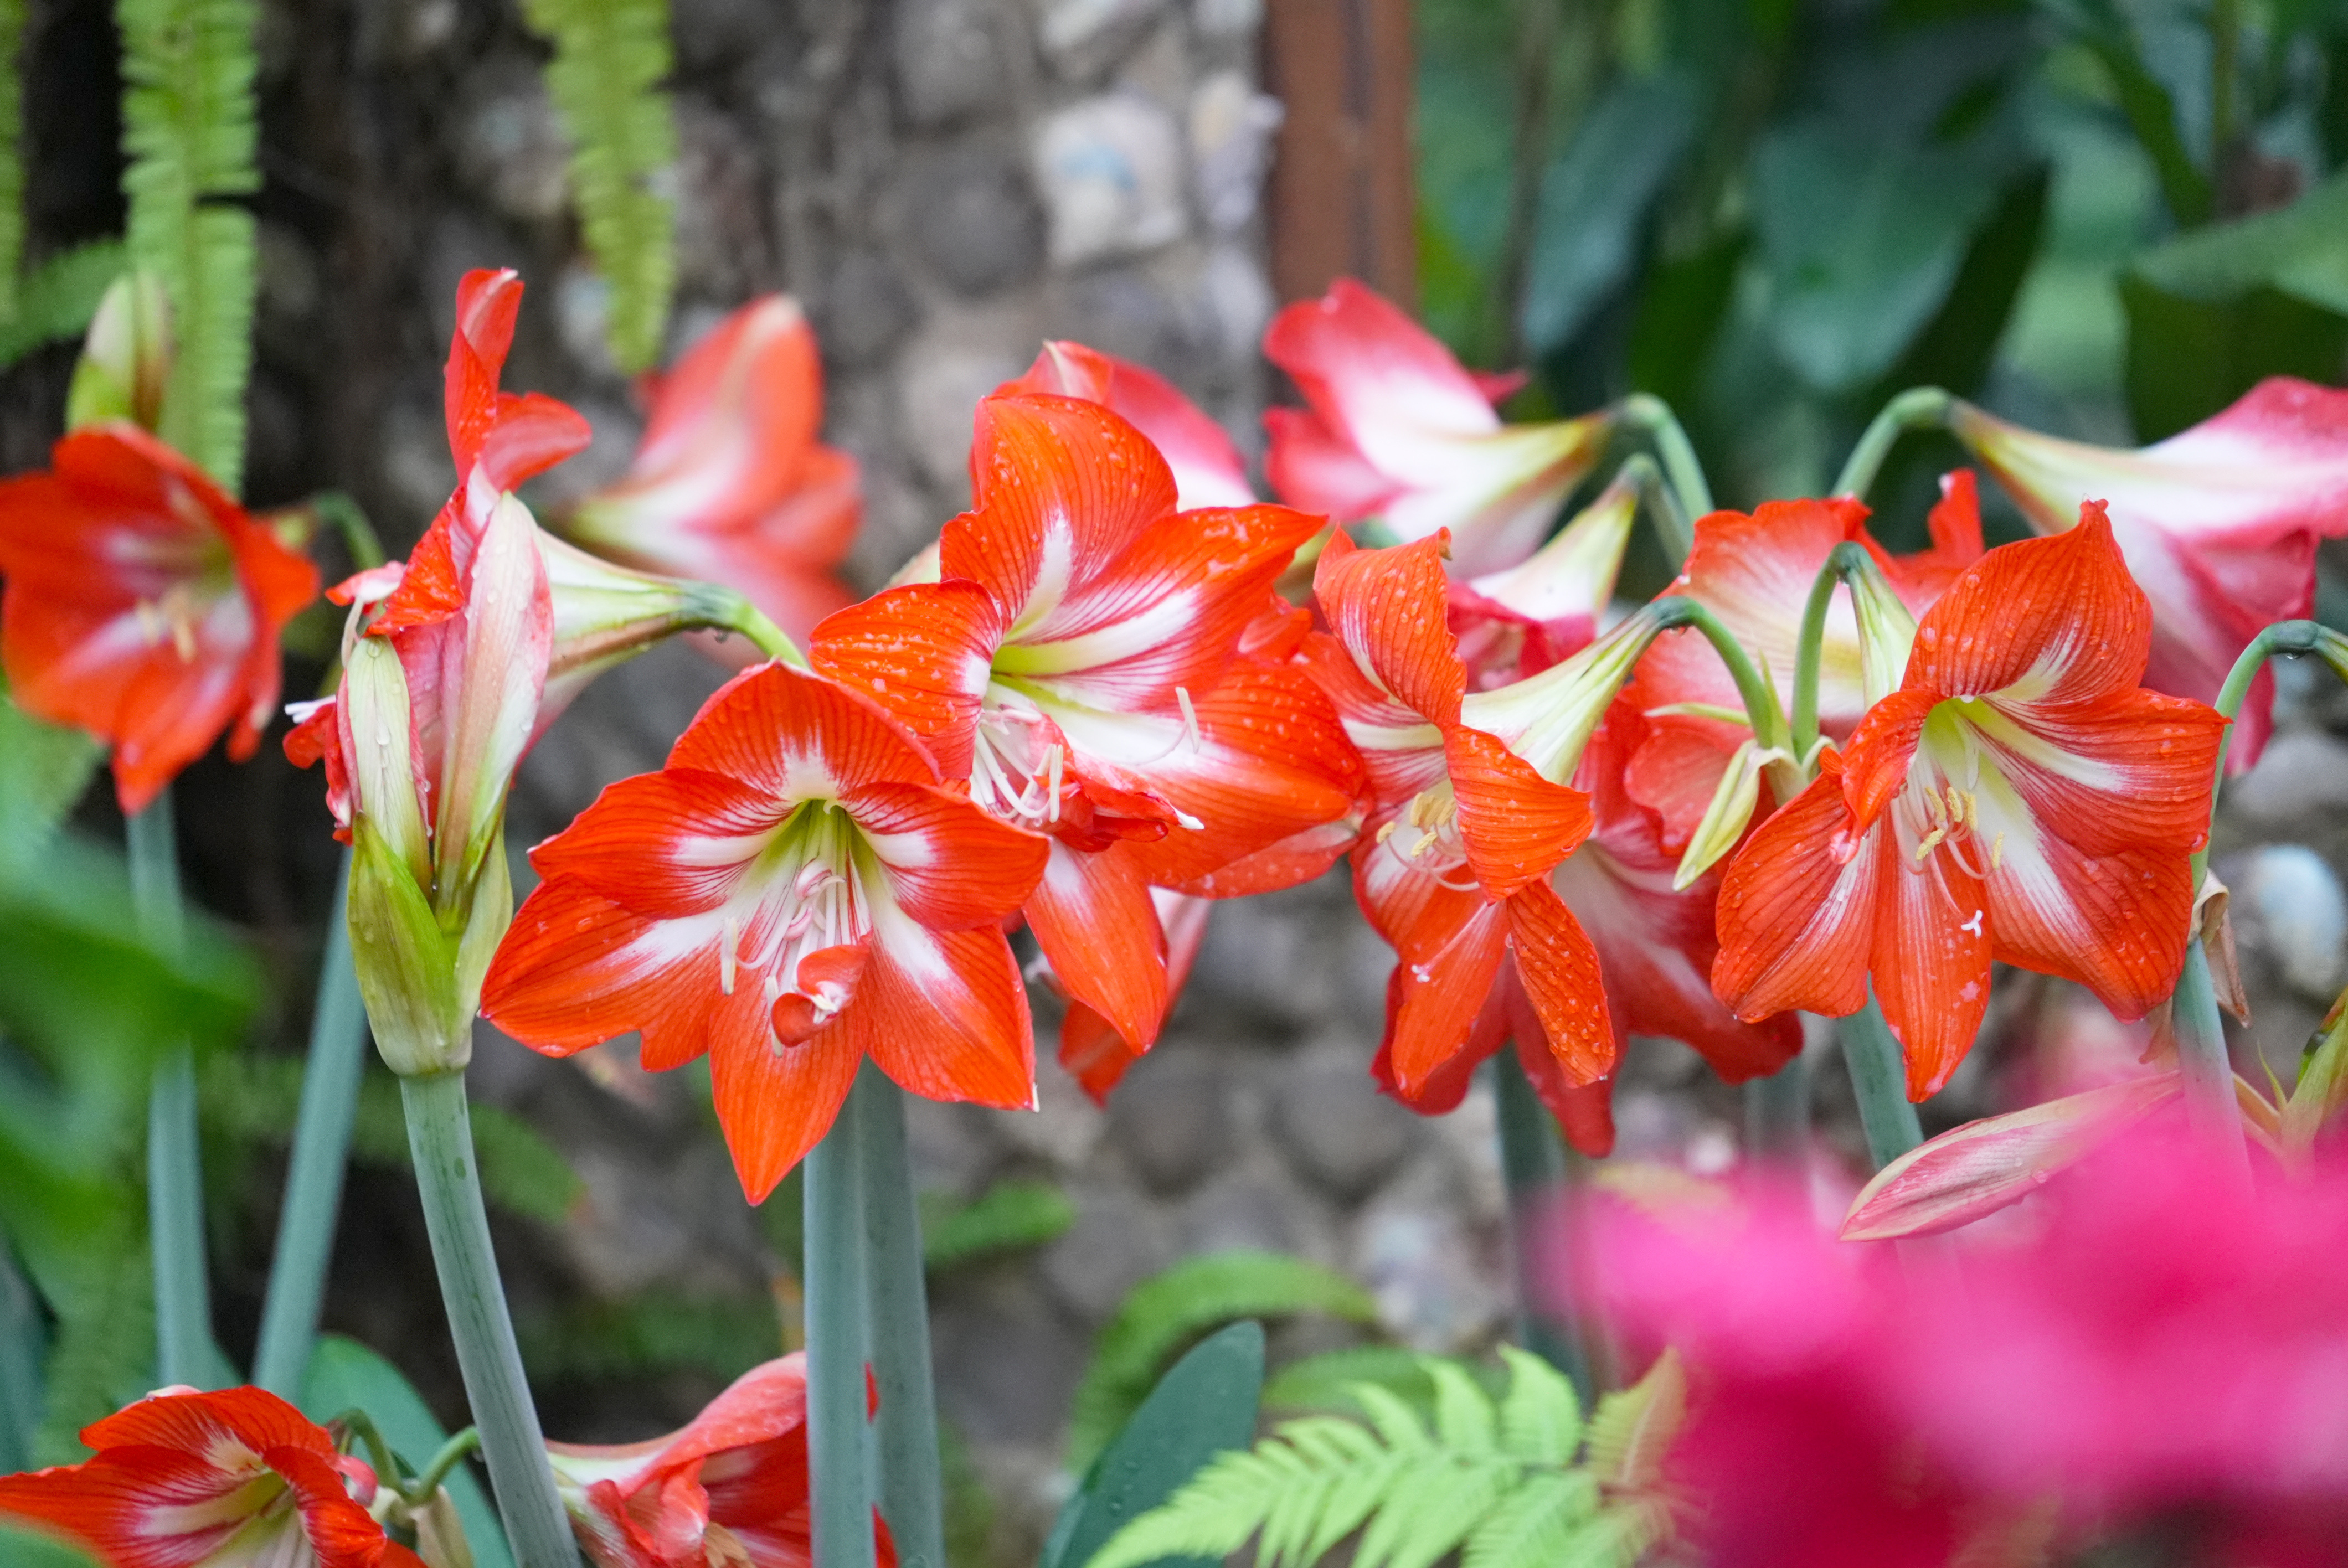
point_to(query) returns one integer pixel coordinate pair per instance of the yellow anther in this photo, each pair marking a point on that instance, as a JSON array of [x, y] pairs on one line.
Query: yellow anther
[[1997, 852], [1931, 841]]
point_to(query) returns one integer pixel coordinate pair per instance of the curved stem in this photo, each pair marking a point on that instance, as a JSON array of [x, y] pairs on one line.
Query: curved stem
[[175, 1177], [2210, 1108], [748, 621], [839, 1475], [1759, 697], [1644, 411], [453, 1452], [448, 1178], [1918, 409], [897, 1306], [1809, 651], [2282, 636], [1673, 531], [1878, 1077], [313, 1180]]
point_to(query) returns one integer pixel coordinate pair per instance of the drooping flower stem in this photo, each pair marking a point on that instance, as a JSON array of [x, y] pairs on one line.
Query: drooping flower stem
[[840, 1478], [897, 1307], [1753, 689], [322, 1143], [1878, 1077], [2210, 1107], [1644, 411], [1918, 409], [2282, 636], [175, 1177], [1674, 530], [448, 1178], [1537, 1170]]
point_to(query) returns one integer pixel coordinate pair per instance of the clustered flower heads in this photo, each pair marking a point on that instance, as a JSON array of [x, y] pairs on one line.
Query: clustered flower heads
[[1121, 688]]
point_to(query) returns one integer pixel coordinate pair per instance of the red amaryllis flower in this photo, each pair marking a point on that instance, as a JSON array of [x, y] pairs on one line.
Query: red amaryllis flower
[[184, 1479], [2018, 799], [1207, 468], [1755, 573], [731, 1488], [1081, 664], [1396, 430], [143, 604], [2219, 524], [792, 893], [730, 483]]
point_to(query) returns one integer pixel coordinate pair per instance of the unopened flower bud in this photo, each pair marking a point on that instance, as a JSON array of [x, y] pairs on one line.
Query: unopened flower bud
[[125, 359]]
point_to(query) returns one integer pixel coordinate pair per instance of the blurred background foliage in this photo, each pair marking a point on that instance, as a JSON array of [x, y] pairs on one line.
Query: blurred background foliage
[[2103, 218]]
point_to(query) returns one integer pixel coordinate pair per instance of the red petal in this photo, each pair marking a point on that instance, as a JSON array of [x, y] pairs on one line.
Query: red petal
[[1449, 945], [1931, 963], [1559, 970], [924, 653], [1312, 466], [1584, 1111], [1515, 825], [678, 842], [951, 865], [775, 1102], [1797, 909], [945, 1015], [576, 969], [1093, 916], [1388, 608], [1368, 369], [798, 736], [1207, 468], [2045, 620]]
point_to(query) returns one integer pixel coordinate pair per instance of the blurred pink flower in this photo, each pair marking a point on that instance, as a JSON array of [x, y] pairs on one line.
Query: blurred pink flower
[[2159, 1342]]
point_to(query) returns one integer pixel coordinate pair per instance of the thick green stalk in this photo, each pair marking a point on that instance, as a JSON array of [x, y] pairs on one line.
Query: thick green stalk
[[1878, 1076], [448, 1178], [1537, 1170], [839, 1469], [2210, 1107], [897, 1307], [175, 1175], [314, 1179], [1777, 1114], [1918, 409], [1651, 414], [21, 1351]]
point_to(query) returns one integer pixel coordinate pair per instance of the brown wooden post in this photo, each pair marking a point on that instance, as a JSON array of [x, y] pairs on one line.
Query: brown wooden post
[[1342, 191]]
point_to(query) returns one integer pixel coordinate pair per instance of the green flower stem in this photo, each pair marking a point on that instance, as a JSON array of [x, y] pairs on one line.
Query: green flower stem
[[184, 1352], [897, 1308], [453, 1452], [1918, 409], [1778, 1112], [1644, 411], [1809, 650], [21, 1351], [2210, 1107], [1673, 530], [2282, 636], [1760, 698], [1538, 1170], [839, 1474], [322, 1143], [448, 1178], [1878, 1076], [750, 621]]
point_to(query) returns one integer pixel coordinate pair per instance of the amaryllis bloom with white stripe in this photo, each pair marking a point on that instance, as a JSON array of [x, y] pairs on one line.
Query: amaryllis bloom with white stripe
[[1509, 918], [1081, 661], [1394, 429], [727, 1491], [2019, 799], [2219, 524], [730, 482], [235, 1479], [794, 891], [143, 605], [443, 671], [1208, 470]]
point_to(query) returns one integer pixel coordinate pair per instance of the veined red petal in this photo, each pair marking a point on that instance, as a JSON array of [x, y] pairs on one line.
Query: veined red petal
[[1401, 751], [1387, 606], [1514, 823], [1372, 372], [1448, 944], [949, 864], [677, 842], [800, 736], [1207, 471], [1797, 909], [577, 969], [945, 1015], [924, 653], [2051, 621], [1931, 964], [1092, 916], [775, 1102], [1559, 971]]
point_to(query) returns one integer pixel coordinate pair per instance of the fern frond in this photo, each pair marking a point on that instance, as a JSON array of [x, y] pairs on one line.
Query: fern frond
[[102, 1355], [1633, 1427], [189, 127], [1433, 1504], [12, 153], [1618, 1537], [1464, 1418], [1541, 1419], [609, 56], [1536, 1523], [1213, 1514], [58, 298]]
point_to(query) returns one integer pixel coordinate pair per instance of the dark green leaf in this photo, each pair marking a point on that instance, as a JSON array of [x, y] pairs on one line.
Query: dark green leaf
[[1681, 307], [1956, 347], [1594, 200], [1861, 238], [2188, 358], [345, 1374], [1205, 1406], [2301, 249]]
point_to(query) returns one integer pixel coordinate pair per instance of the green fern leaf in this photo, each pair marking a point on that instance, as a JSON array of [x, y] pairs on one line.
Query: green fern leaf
[[189, 127], [102, 1355], [1617, 1538], [609, 55], [1211, 1516], [1396, 1422], [1464, 1418], [1165, 1313], [1634, 1428], [1541, 1419], [57, 298], [1535, 1525], [1433, 1505]]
